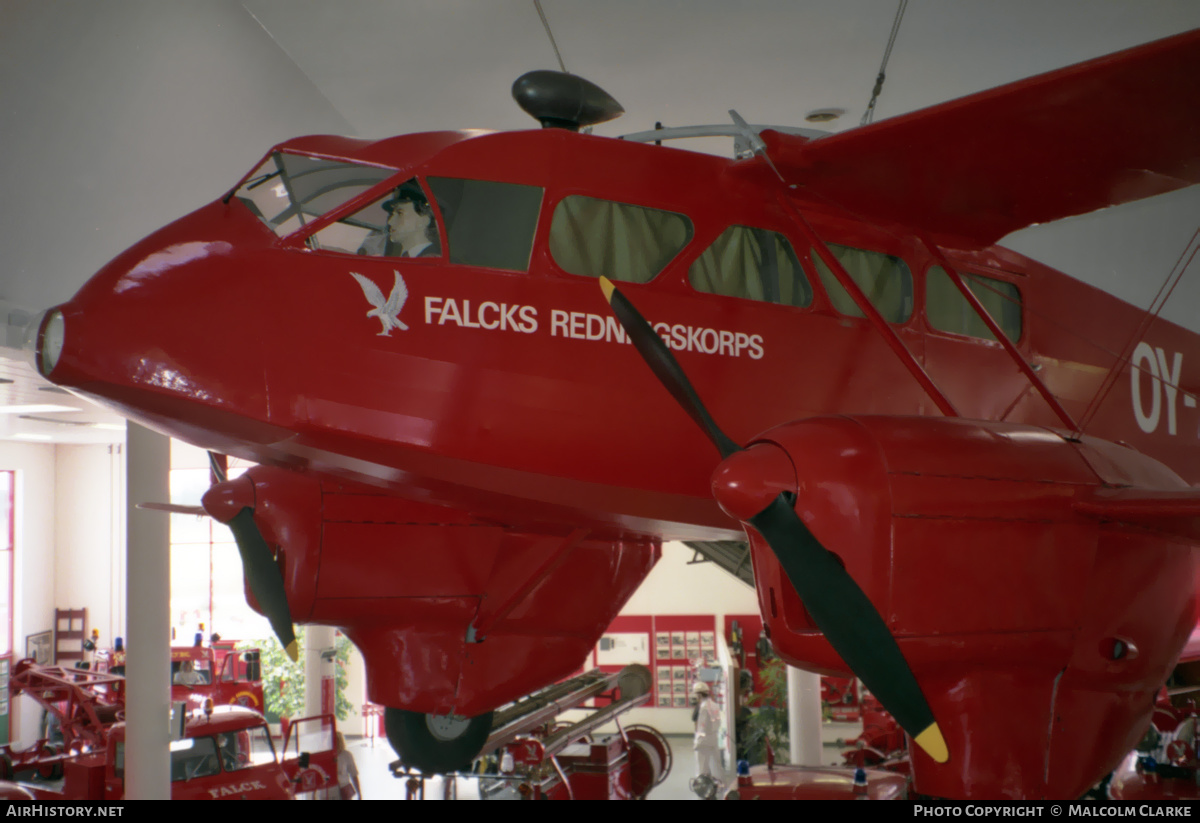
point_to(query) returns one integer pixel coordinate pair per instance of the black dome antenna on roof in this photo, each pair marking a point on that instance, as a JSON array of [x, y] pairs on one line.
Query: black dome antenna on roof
[[564, 101]]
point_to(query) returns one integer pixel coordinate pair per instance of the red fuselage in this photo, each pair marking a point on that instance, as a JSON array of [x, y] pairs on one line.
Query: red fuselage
[[511, 420]]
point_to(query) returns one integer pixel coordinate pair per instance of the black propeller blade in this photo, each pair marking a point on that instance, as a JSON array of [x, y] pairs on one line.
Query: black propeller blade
[[836, 603], [664, 365], [260, 568], [265, 580]]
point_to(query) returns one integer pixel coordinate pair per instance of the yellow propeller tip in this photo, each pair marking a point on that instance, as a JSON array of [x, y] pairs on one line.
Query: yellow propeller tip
[[293, 651], [933, 743], [606, 286]]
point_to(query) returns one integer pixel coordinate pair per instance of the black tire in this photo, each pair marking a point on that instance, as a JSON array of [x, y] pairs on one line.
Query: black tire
[[436, 744], [50, 770]]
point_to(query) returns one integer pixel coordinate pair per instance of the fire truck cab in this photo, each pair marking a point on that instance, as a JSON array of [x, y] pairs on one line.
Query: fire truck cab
[[228, 755], [229, 677]]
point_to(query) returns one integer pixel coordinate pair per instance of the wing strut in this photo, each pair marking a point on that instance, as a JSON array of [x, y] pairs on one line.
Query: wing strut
[[865, 306], [994, 328]]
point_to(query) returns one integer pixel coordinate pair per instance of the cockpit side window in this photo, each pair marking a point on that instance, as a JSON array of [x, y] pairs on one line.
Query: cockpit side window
[[488, 224], [290, 190], [754, 264], [884, 278], [593, 237], [947, 309], [402, 223]]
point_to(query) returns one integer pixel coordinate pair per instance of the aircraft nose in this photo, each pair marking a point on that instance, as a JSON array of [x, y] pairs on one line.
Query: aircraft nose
[[45, 336], [154, 335]]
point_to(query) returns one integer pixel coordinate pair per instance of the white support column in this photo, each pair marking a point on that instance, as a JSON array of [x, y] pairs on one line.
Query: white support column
[[317, 639], [148, 666], [118, 581], [804, 716]]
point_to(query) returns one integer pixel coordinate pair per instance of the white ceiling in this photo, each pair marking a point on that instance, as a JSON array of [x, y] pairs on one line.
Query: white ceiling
[[117, 117], [32, 410], [392, 67]]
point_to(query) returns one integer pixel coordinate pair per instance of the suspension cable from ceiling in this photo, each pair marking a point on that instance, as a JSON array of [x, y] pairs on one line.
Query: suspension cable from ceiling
[[870, 112], [546, 23]]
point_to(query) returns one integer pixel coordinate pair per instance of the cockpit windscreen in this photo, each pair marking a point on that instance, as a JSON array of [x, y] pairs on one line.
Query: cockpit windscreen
[[289, 190]]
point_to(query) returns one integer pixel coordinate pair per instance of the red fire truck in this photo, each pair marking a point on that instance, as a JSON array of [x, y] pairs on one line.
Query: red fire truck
[[226, 751]]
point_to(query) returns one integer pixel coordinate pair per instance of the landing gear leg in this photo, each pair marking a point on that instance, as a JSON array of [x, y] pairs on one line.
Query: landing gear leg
[[436, 744]]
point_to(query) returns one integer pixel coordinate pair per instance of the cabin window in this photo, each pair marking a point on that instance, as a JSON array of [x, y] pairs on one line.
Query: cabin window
[[290, 190], [595, 237], [754, 264], [949, 311], [488, 224], [193, 757], [884, 278], [402, 223]]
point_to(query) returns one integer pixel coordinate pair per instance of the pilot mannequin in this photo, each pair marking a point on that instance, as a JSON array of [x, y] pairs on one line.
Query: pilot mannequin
[[411, 228]]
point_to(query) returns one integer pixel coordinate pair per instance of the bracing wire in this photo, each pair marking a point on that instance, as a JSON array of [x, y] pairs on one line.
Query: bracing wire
[[1189, 254], [546, 23], [870, 112]]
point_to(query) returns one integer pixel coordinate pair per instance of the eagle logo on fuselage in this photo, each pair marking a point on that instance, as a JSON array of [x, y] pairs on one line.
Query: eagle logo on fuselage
[[387, 311]]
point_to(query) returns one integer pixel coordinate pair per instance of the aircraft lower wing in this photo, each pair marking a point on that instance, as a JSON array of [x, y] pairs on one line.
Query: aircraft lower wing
[[1111, 130]]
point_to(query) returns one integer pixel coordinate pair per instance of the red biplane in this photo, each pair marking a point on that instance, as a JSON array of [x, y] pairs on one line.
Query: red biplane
[[969, 478]]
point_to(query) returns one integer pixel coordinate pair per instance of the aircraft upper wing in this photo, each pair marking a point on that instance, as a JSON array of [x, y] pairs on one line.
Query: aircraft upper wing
[[1108, 131]]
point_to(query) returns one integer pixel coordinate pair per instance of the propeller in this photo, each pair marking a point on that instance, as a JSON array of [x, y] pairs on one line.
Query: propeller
[[751, 484], [232, 503]]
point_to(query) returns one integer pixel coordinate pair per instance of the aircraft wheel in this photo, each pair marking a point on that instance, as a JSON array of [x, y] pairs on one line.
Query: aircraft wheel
[[436, 743]]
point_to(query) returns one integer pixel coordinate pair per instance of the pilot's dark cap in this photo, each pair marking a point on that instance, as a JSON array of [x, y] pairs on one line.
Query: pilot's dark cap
[[406, 193]]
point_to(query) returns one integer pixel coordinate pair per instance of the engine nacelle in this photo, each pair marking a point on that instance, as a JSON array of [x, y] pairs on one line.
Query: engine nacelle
[[1038, 633]]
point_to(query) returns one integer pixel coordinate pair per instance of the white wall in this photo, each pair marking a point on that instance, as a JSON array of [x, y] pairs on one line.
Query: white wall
[[675, 587], [33, 581], [90, 531], [68, 525]]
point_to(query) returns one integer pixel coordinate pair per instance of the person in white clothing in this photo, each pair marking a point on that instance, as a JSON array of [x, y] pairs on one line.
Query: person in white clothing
[[707, 742]]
